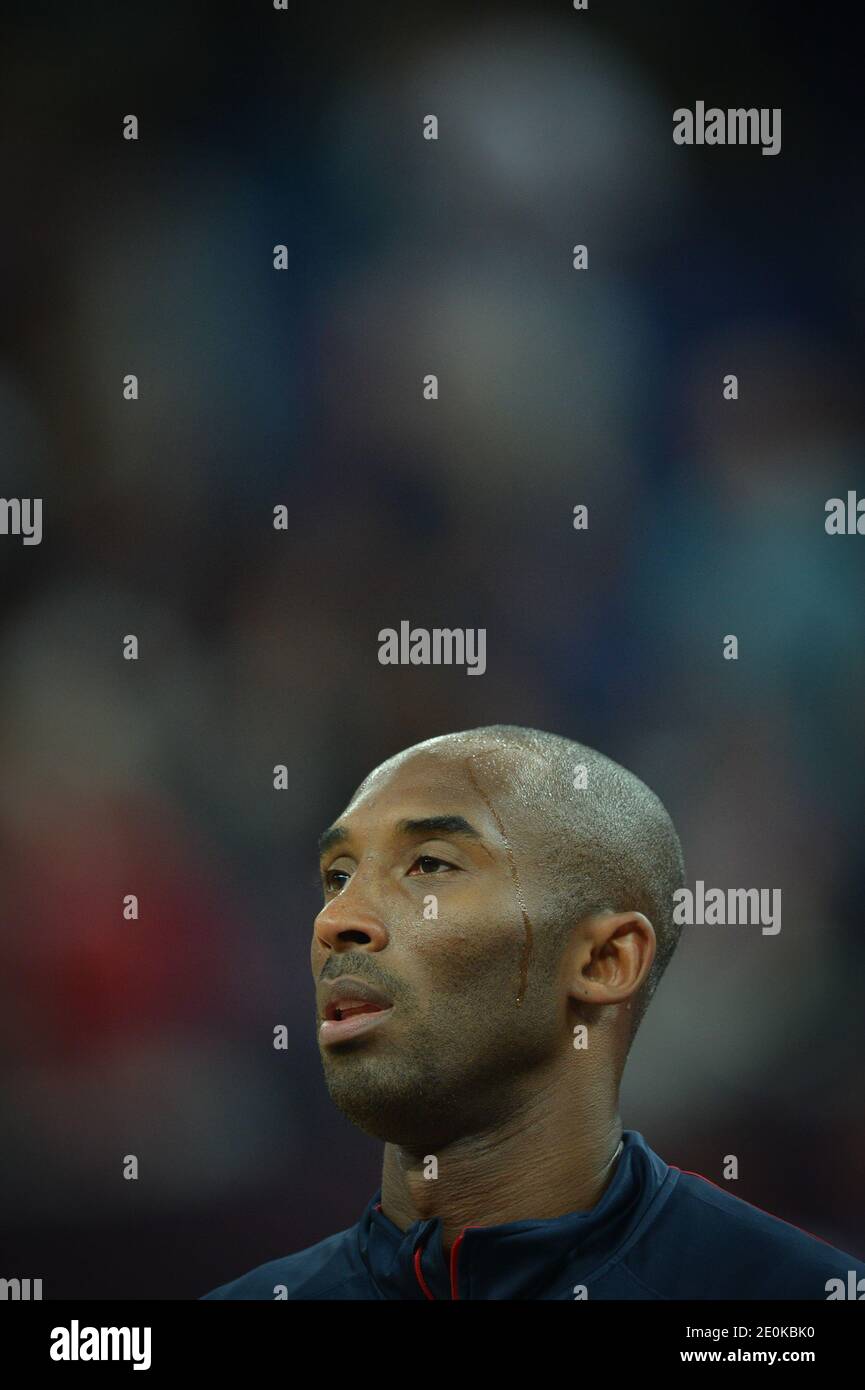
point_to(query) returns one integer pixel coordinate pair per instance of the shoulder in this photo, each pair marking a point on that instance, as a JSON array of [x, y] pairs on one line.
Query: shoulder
[[312, 1273], [708, 1243]]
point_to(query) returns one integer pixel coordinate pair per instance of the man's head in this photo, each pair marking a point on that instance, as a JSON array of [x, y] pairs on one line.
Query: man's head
[[499, 887]]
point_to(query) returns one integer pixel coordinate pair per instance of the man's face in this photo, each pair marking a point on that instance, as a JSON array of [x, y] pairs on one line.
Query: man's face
[[452, 1053]]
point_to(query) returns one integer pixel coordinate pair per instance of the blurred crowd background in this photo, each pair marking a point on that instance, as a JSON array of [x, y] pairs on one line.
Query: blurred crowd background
[[260, 647]]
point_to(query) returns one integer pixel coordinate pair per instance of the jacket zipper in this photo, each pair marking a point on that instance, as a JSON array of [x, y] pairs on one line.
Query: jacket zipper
[[454, 1254]]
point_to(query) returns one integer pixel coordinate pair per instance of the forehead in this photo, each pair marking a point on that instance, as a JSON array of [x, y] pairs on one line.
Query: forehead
[[438, 781]]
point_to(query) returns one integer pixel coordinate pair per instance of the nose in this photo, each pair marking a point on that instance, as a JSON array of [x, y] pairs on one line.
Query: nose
[[346, 923]]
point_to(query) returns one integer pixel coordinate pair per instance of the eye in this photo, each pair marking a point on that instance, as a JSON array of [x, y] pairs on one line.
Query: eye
[[335, 880], [429, 859]]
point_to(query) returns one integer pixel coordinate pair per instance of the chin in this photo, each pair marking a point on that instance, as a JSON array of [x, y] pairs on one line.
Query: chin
[[397, 1111]]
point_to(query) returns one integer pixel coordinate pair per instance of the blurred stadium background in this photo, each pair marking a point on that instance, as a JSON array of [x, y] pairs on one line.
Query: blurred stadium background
[[259, 647]]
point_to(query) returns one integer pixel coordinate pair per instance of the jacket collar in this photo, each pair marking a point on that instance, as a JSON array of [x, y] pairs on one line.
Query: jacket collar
[[517, 1260]]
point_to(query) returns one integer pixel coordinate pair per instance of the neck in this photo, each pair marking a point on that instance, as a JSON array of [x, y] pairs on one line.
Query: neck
[[545, 1160]]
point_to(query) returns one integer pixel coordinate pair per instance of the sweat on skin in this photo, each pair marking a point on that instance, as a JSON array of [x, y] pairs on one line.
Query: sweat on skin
[[489, 821]]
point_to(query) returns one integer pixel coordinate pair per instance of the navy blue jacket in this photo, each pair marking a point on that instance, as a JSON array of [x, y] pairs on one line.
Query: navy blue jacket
[[656, 1233]]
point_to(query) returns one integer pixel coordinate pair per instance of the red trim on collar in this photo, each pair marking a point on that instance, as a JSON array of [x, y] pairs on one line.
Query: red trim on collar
[[419, 1273], [453, 1264], [750, 1204]]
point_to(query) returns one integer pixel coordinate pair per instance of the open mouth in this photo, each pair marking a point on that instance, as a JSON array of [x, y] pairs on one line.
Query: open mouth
[[348, 1008], [351, 1018]]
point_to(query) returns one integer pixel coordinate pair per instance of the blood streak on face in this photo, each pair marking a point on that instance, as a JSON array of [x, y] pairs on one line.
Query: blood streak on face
[[529, 934]]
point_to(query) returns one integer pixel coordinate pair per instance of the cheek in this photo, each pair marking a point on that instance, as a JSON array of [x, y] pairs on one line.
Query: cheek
[[447, 952], [465, 943]]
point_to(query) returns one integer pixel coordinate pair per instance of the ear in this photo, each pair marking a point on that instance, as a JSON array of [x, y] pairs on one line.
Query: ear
[[611, 955]]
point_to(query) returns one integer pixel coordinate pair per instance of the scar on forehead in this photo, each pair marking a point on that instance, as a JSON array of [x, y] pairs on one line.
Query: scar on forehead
[[475, 757]]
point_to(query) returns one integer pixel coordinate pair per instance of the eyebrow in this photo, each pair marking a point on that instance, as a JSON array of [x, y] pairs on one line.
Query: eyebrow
[[428, 825]]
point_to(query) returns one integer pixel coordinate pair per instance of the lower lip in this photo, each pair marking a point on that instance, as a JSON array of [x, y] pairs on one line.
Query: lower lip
[[336, 1029]]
